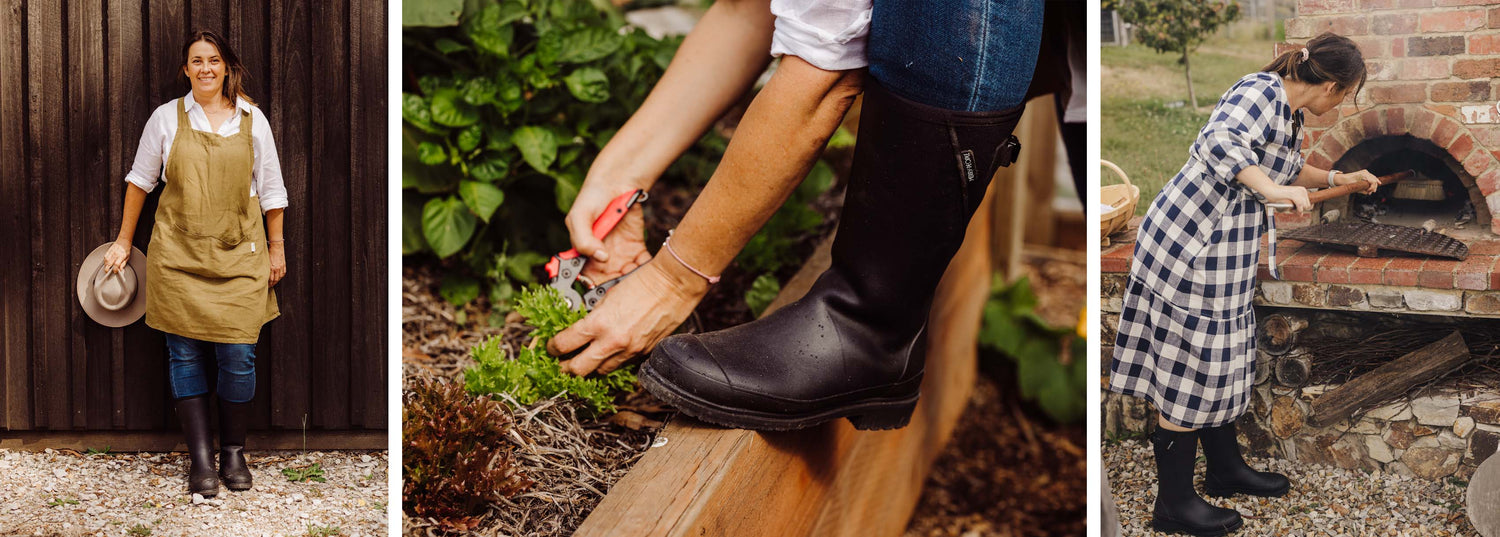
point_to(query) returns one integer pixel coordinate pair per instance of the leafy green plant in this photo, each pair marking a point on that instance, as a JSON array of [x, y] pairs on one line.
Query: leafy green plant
[[456, 455], [60, 501], [91, 451], [533, 375], [762, 292], [303, 474], [1176, 26], [506, 104], [139, 530], [1012, 327]]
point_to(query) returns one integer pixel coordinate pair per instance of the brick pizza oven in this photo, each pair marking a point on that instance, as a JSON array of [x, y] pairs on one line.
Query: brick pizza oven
[[1429, 106]]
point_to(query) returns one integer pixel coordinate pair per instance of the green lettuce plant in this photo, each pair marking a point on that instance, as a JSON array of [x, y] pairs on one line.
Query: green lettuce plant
[[532, 375]]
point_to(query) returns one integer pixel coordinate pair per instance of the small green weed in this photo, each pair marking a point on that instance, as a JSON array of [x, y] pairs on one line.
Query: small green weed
[[139, 530], [323, 531], [62, 501], [1115, 439], [303, 474], [92, 451]]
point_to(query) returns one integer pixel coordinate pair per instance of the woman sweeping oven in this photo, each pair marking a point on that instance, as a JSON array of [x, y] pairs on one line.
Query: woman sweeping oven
[[1187, 330]]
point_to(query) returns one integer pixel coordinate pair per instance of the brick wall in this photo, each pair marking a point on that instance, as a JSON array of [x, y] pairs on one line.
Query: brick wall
[[1434, 73]]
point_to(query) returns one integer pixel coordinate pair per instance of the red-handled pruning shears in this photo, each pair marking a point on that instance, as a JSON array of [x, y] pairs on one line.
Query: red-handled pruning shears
[[565, 267]]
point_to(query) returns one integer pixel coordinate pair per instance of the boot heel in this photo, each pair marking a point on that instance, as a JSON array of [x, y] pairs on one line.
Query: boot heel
[[884, 417]]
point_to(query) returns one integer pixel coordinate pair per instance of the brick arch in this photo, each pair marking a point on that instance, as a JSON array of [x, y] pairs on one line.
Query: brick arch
[[1327, 145]]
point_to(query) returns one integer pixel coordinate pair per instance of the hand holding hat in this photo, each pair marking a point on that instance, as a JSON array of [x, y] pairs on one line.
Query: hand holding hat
[[112, 284], [117, 256]]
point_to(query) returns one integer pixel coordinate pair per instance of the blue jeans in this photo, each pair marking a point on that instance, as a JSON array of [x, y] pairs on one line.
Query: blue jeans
[[189, 360], [959, 55]]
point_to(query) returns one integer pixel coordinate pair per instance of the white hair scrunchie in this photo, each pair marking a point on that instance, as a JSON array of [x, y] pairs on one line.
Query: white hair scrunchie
[[1304, 53]]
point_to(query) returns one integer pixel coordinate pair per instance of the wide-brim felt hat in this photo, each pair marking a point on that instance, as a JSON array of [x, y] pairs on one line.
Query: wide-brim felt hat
[[113, 299]]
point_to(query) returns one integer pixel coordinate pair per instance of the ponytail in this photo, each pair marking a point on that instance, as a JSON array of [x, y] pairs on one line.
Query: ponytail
[[1327, 58]]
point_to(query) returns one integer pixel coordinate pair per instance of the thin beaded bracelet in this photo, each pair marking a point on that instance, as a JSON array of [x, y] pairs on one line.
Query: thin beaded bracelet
[[667, 244]]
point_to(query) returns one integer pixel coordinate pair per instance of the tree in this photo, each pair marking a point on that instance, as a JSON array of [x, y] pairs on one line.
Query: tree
[[1176, 25]]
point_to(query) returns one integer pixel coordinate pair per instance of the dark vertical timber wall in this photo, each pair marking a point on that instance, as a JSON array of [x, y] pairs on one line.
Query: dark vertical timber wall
[[78, 80]]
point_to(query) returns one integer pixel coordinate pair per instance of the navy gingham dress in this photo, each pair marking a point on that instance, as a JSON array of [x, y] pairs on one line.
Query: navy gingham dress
[[1187, 330]]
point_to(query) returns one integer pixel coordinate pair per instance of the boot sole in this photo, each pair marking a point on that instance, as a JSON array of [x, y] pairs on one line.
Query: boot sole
[[1227, 492], [1172, 527], [867, 415]]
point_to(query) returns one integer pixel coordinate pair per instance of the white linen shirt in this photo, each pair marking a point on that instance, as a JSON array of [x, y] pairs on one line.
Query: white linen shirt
[[829, 34], [161, 129]]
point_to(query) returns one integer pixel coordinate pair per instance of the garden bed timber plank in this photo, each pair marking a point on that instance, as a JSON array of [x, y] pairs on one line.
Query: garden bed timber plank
[[1391, 379], [829, 480]]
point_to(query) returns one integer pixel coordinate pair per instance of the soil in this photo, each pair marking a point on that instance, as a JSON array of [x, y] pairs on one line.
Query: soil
[[1009, 470]]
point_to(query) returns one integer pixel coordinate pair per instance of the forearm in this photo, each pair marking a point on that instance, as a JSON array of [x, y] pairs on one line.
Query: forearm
[[1312, 177], [135, 198], [717, 62], [782, 135], [274, 219], [1257, 180]]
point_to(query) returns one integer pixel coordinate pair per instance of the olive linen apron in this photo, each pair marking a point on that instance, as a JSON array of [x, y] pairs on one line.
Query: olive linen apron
[[208, 266]]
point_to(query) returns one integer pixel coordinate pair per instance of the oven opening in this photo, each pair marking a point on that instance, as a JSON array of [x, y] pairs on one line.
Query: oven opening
[[1441, 197]]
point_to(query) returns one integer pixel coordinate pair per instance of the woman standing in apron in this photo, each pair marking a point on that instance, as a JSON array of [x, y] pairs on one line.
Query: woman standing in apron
[[1186, 340], [211, 260]]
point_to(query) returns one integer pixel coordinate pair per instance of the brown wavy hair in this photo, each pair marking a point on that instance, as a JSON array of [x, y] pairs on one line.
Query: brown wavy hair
[[1330, 57], [235, 74]]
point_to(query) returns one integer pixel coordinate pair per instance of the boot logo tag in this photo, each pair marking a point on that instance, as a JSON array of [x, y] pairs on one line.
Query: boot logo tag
[[968, 160]]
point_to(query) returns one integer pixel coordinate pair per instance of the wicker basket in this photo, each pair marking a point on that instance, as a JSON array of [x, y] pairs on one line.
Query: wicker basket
[[1121, 199]]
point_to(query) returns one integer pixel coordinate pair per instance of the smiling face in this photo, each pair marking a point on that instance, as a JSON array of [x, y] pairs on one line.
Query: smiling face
[[204, 68]]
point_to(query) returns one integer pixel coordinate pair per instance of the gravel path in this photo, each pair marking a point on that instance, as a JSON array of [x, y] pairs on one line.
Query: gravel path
[[1324, 501], [70, 494]]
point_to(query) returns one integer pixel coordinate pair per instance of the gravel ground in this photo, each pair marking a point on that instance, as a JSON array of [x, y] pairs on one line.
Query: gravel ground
[[63, 492], [1324, 501]]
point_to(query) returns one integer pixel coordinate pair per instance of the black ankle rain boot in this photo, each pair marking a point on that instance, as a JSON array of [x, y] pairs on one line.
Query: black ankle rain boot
[[855, 345], [1179, 509], [202, 478], [233, 419], [1227, 472]]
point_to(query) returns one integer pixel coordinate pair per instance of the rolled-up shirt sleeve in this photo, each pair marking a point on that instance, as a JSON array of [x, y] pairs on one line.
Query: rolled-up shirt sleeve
[[267, 181], [830, 35], [1239, 123], [145, 172]]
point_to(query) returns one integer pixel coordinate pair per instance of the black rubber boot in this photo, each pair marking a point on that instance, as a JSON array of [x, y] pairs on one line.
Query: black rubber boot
[[854, 346], [1227, 472], [1179, 509], [233, 419], [193, 413]]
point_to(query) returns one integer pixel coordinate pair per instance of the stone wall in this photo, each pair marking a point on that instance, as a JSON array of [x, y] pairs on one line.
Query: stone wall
[[1432, 436]]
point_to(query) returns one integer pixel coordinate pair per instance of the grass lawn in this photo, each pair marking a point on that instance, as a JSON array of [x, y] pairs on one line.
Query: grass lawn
[[1147, 126]]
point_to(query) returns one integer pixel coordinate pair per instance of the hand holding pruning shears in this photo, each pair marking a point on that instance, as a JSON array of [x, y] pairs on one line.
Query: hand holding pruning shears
[[621, 249], [567, 268], [652, 302]]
